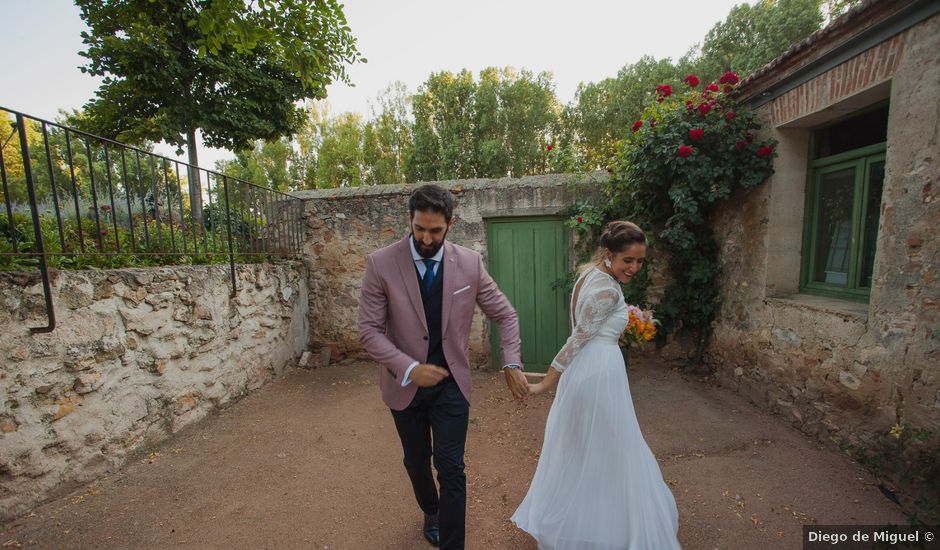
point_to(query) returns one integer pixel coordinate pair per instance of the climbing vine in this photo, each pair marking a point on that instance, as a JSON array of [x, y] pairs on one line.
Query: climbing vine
[[689, 152]]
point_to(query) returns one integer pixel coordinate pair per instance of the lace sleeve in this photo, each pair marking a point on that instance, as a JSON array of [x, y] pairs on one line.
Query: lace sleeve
[[592, 311]]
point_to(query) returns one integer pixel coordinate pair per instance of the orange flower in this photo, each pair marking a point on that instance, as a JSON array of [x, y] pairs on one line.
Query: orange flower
[[641, 327]]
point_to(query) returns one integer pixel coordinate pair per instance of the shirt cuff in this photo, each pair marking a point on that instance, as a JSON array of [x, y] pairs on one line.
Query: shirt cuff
[[512, 366], [405, 380]]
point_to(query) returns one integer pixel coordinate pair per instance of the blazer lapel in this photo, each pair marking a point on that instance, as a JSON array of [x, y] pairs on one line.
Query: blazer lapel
[[450, 283], [406, 266]]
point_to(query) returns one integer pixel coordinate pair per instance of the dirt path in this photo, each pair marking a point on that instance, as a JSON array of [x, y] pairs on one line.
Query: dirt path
[[313, 461]]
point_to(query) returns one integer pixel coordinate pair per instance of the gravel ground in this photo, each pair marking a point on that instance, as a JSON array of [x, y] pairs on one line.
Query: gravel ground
[[312, 461]]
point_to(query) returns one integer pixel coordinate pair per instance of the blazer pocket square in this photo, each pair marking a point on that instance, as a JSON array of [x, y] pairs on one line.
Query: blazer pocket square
[[456, 292]]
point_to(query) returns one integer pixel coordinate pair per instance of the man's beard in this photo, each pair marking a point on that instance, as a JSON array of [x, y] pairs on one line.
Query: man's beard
[[428, 251]]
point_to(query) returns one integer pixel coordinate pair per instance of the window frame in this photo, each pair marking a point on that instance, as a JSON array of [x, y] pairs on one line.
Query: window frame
[[861, 160]]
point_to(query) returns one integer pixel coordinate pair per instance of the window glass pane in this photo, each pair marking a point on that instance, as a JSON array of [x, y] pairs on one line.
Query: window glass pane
[[875, 184], [865, 129], [834, 227]]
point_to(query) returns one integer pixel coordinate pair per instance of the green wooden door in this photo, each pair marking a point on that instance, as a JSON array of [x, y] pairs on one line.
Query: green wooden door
[[528, 260]]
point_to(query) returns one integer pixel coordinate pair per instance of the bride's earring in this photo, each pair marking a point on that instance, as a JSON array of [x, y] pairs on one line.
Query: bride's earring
[[607, 262]]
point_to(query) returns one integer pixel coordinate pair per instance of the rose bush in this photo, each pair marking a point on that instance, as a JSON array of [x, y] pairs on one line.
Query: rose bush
[[690, 150]]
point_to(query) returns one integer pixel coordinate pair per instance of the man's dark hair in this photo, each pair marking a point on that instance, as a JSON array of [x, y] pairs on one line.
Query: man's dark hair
[[432, 198]]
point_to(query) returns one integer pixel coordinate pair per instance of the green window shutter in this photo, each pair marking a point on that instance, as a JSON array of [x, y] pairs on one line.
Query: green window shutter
[[841, 225]]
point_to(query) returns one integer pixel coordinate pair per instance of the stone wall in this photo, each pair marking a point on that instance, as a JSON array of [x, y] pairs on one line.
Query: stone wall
[[844, 372], [137, 355], [343, 225]]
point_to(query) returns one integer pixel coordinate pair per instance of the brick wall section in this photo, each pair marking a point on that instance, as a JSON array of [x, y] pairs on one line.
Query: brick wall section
[[859, 73]]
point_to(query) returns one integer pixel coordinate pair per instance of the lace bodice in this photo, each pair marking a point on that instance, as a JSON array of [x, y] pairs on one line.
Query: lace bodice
[[600, 315]]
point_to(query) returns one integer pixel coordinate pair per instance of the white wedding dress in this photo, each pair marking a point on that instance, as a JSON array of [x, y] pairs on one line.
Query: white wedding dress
[[597, 485]]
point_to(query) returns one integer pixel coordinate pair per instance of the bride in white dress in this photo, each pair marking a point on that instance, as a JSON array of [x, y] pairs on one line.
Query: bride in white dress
[[597, 485]]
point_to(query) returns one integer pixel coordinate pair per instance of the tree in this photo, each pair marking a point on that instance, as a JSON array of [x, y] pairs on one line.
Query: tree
[[753, 35], [529, 116], [604, 112], [496, 127], [339, 159], [306, 146], [333, 151], [387, 137], [425, 158], [233, 70], [489, 132], [443, 110], [39, 143], [266, 163], [835, 8], [12, 155]]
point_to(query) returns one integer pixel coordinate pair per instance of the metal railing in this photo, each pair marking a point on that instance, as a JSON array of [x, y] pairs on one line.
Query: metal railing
[[76, 200]]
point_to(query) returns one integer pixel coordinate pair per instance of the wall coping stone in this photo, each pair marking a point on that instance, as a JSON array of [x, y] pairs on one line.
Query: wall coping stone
[[30, 278], [545, 180]]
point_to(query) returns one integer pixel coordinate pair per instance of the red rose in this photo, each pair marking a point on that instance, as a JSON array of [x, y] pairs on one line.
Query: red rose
[[765, 151], [550, 147], [664, 90], [696, 134], [728, 89], [729, 78], [704, 108], [684, 151], [652, 123], [749, 137], [637, 125], [580, 219], [711, 87], [692, 80], [104, 232], [730, 115], [741, 144]]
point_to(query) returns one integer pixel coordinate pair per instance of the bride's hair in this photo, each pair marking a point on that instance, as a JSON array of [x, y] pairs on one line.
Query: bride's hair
[[617, 236]]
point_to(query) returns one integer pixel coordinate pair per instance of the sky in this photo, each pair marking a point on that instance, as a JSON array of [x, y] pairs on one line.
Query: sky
[[403, 40]]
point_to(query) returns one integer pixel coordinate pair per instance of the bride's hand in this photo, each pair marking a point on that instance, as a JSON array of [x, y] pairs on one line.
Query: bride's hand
[[536, 389]]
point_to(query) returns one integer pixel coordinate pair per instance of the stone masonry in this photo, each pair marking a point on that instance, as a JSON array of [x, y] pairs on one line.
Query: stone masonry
[[845, 372], [344, 225], [137, 355]]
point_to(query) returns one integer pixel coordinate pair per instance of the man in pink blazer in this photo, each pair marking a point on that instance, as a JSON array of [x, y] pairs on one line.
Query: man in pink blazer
[[415, 313]]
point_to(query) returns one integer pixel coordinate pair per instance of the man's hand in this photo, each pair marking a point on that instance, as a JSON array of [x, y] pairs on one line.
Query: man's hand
[[517, 383], [426, 375]]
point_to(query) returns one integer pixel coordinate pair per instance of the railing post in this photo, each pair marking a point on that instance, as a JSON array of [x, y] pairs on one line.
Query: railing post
[[37, 230], [6, 199], [78, 210], [228, 230], [55, 190]]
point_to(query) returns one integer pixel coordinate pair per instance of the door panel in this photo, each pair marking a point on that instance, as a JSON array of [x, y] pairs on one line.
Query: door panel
[[527, 258]]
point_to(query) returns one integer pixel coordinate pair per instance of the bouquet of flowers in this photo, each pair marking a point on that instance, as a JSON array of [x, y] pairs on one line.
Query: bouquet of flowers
[[641, 328]]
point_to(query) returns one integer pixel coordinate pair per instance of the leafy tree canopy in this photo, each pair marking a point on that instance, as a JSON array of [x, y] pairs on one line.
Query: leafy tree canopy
[[230, 68], [753, 35]]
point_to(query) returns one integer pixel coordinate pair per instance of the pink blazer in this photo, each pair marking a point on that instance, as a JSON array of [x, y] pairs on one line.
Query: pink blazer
[[394, 332]]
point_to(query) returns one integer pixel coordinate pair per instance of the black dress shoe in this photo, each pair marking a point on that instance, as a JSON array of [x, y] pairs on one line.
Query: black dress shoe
[[432, 529]]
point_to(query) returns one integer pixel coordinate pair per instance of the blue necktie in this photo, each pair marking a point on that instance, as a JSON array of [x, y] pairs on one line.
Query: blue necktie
[[428, 281]]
